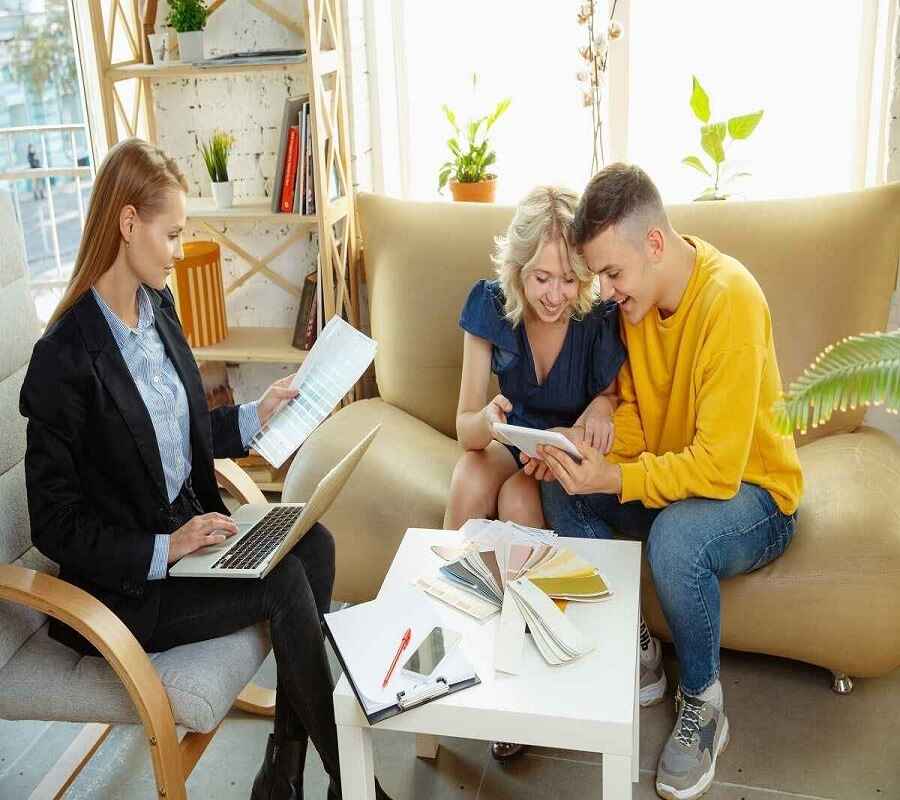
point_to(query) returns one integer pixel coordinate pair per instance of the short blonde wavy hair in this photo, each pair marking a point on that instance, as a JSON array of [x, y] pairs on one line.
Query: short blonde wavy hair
[[545, 215]]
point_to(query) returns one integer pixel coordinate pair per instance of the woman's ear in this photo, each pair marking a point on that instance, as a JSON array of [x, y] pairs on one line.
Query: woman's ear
[[127, 217]]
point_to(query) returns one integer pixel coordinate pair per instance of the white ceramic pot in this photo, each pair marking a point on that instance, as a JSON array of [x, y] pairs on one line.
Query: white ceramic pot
[[190, 45], [223, 193]]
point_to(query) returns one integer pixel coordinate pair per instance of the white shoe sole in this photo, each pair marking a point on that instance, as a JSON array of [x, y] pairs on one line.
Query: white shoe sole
[[654, 693], [702, 786]]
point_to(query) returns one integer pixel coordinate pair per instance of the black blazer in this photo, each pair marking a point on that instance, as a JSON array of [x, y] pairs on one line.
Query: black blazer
[[96, 490]]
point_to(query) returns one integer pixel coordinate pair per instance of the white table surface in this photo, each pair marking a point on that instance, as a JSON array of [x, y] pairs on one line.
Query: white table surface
[[589, 704]]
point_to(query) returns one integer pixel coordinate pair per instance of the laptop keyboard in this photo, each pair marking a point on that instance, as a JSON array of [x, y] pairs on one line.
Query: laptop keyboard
[[261, 539]]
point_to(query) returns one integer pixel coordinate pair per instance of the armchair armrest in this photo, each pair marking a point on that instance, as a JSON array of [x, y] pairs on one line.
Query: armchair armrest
[[103, 629], [237, 482]]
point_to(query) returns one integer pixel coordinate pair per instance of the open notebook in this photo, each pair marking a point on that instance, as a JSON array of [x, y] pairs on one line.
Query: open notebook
[[365, 658]]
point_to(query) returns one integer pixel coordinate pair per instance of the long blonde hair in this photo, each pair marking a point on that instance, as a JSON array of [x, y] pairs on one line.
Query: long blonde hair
[[545, 215], [134, 173]]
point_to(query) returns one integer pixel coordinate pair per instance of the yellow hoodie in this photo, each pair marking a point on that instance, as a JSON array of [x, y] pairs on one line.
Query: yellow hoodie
[[696, 392]]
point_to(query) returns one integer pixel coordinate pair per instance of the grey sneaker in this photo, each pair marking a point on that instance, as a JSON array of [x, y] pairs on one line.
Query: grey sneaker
[[687, 764], [653, 680]]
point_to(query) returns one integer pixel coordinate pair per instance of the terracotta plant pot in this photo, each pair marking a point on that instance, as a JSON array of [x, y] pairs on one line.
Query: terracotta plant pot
[[481, 192]]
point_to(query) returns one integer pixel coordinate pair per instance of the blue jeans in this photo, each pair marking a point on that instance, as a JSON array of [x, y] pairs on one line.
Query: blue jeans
[[690, 545]]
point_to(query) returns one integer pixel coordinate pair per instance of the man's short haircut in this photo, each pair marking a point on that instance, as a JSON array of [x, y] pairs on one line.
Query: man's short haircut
[[615, 194]]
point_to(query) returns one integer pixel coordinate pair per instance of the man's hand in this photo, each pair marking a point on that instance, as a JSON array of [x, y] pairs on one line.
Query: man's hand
[[537, 468], [275, 396], [201, 531], [594, 474], [496, 411]]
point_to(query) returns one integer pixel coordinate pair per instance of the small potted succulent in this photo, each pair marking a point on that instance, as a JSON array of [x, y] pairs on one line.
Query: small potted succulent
[[215, 155], [188, 18], [467, 172]]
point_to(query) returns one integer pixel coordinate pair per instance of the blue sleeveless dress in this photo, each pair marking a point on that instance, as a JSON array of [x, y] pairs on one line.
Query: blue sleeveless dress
[[589, 360]]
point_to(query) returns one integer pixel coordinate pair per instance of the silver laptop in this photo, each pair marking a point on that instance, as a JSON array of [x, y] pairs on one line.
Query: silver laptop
[[267, 532]]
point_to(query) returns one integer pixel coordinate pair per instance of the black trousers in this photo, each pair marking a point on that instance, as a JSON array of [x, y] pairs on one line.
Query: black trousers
[[292, 599]]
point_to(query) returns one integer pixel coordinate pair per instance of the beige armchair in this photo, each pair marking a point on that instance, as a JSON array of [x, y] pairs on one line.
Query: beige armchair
[[193, 686], [827, 265]]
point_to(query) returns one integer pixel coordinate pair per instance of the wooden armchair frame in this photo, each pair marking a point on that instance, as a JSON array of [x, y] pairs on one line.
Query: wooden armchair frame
[[172, 760]]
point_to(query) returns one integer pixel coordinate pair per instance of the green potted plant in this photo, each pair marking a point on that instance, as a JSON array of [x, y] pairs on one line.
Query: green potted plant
[[713, 137], [215, 156], [188, 18], [860, 370], [467, 172]]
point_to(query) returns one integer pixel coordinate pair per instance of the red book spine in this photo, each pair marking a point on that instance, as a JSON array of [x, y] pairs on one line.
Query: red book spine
[[290, 170]]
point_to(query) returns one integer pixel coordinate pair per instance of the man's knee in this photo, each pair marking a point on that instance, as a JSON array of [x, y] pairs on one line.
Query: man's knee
[[675, 543]]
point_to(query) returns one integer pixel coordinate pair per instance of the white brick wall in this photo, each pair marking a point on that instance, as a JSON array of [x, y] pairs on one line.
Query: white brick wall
[[250, 107]]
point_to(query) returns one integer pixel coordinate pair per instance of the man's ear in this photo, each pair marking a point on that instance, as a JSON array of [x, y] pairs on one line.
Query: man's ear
[[655, 243]]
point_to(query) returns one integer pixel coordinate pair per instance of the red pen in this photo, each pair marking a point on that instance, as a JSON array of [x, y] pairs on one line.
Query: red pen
[[404, 643]]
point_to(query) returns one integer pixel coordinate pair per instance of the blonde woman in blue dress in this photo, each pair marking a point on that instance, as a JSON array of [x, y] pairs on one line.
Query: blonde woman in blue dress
[[555, 349]]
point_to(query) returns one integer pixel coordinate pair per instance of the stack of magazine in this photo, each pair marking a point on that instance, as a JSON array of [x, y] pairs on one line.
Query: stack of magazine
[[527, 575]]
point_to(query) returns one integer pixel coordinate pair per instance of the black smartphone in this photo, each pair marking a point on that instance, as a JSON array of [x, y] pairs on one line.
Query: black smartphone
[[429, 654]]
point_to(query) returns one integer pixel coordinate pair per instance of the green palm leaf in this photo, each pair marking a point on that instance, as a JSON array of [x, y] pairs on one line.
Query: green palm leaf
[[860, 370]]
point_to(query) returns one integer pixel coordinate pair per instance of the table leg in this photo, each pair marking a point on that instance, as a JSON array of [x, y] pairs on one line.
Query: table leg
[[426, 745], [636, 723], [357, 763], [616, 777]]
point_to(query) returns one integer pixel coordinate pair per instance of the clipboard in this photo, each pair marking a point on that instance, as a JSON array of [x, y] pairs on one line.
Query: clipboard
[[359, 655]]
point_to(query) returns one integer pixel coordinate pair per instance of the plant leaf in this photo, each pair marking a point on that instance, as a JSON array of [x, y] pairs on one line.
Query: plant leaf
[[711, 140], [697, 164], [451, 117], [699, 101], [861, 369], [498, 112], [741, 127]]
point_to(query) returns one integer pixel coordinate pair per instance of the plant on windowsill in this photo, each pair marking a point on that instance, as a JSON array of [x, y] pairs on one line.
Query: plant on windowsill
[[859, 370], [215, 156], [713, 137], [467, 172], [188, 18]]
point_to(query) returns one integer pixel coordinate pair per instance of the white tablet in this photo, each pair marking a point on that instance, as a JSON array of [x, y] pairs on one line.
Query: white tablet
[[527, 439]]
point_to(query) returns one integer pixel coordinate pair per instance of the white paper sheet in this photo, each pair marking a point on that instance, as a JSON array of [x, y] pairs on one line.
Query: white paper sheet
[[337, 360]]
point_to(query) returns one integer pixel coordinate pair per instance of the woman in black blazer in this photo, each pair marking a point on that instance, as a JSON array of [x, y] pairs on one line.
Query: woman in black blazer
[[119, 464]]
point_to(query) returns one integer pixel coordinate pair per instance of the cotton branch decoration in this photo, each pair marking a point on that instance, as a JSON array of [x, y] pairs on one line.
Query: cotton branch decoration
[[601, 30]]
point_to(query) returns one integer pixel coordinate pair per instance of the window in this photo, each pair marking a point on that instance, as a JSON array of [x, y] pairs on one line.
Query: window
[[809, 65], [45, 158], [819, 72]]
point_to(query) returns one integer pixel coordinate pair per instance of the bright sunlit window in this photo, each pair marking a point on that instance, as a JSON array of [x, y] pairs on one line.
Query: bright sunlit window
[[523, 50], [807, 65], [798, 61]]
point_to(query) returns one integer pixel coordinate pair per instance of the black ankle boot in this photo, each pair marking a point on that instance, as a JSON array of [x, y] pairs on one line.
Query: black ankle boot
[[281, 775], [334, 792]]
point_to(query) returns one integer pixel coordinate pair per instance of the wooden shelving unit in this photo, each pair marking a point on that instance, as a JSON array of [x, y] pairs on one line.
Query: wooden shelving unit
[[126, 89], [256, 345]]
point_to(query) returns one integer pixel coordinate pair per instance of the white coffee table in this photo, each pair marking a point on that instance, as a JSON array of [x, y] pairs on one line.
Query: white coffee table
[[590, 704]]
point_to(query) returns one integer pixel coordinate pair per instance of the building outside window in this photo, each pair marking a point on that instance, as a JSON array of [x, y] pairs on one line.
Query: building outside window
[[45, 159]]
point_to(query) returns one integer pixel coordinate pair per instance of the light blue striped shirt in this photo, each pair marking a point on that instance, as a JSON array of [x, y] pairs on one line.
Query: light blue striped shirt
[[163, 394]]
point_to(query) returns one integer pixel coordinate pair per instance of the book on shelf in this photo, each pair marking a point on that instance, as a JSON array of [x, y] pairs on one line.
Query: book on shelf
[[312, 332], [299, 182], [292, 107], [290, 170], [307, 306]]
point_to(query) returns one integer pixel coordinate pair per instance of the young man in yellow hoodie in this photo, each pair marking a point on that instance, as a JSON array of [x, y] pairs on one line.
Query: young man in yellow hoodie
[[697, 469]]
